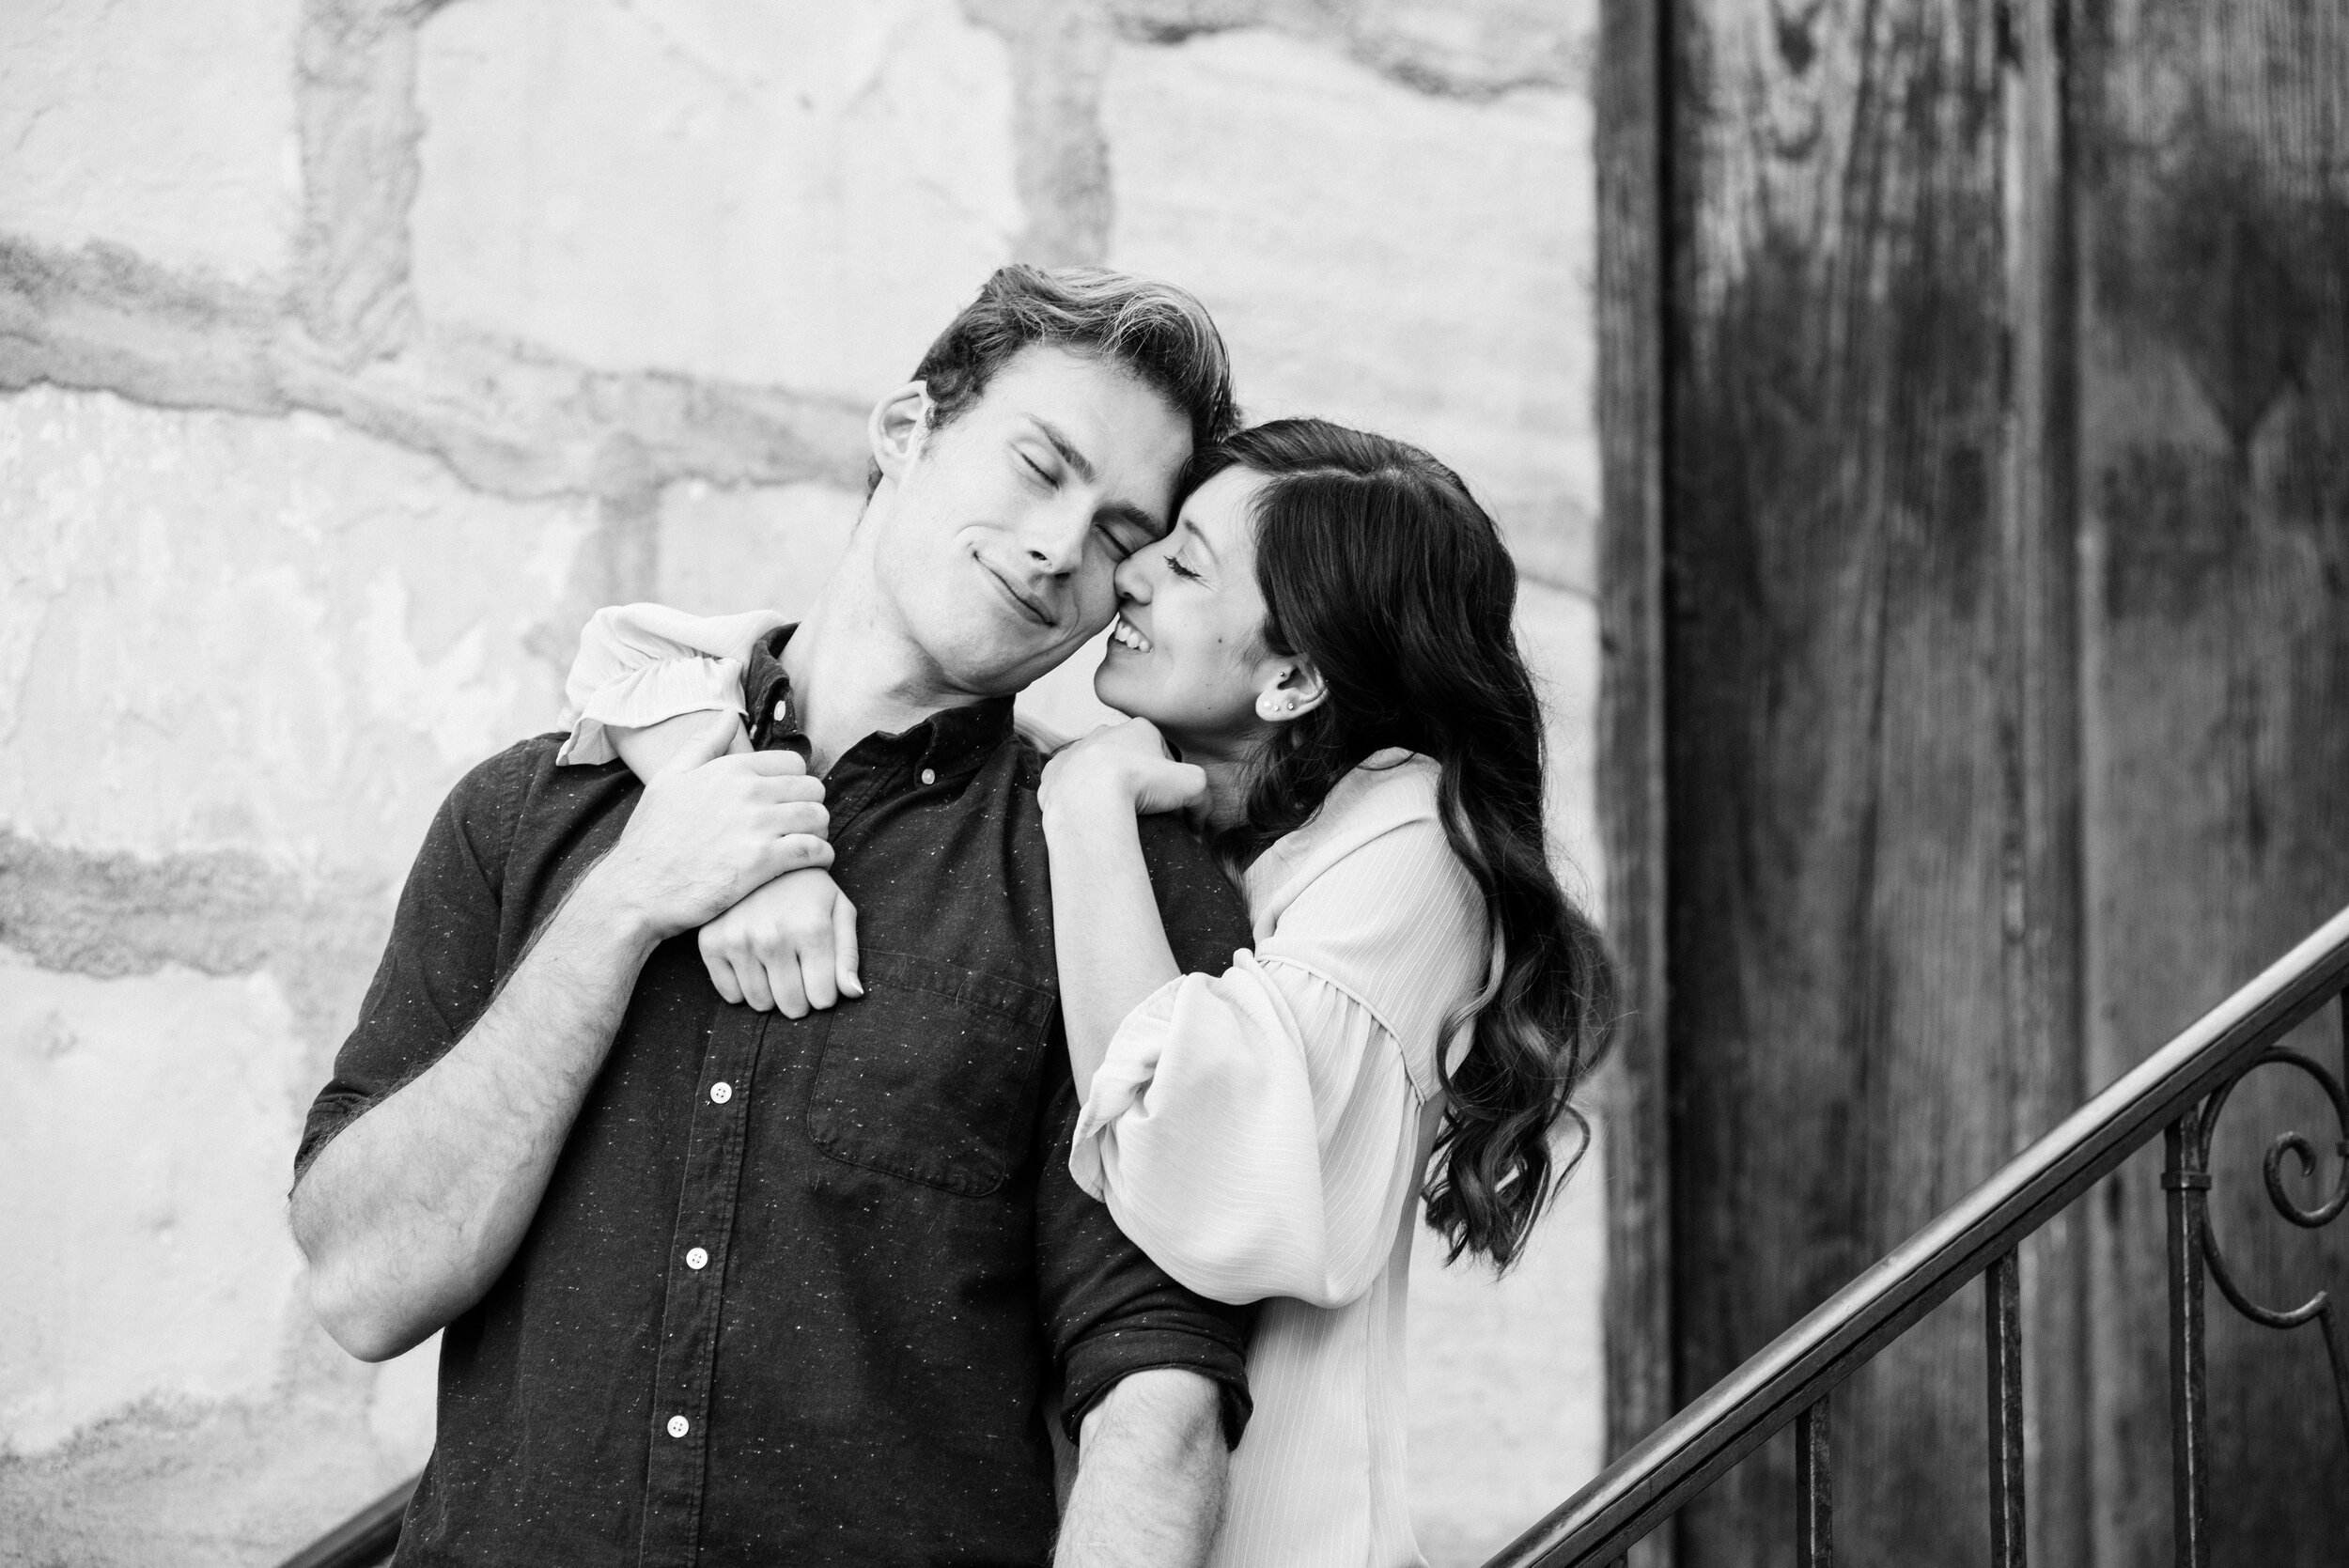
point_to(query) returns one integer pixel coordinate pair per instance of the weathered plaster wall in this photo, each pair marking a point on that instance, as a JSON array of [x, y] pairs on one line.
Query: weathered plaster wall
[[350, 351]]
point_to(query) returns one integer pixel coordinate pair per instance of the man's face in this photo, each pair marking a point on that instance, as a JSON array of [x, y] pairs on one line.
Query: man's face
[[1001, 533]]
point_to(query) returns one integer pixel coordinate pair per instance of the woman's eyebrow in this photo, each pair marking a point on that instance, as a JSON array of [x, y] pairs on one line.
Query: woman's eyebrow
[[1199, 534]]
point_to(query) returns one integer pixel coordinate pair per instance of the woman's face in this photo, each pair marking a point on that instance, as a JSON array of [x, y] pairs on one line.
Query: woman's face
[[1187, 651]]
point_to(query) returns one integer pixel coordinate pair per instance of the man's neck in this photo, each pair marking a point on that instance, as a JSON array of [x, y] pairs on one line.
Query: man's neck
[[854, 673]]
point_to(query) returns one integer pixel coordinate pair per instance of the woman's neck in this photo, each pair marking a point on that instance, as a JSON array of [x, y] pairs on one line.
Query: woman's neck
[[1226, 760]]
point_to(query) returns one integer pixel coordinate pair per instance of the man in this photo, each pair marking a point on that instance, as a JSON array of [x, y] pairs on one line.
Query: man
[[722, 1287]]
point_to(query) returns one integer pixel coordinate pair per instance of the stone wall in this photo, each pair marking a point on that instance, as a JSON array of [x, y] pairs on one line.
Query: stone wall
[[352, 350]]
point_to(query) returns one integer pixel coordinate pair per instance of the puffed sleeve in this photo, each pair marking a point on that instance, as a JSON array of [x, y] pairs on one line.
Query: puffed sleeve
[[1253, 1132], [640, 664], [1256, 1132]]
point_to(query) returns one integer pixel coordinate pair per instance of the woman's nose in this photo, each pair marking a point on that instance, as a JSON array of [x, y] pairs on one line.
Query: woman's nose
[[1133, 578]]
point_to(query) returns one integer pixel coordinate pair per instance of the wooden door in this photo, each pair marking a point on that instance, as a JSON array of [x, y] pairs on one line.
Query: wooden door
[[2211, 194], [1976, 385]]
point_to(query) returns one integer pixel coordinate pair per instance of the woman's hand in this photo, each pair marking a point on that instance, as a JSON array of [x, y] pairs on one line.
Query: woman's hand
[[791, 946], [1126, 763]]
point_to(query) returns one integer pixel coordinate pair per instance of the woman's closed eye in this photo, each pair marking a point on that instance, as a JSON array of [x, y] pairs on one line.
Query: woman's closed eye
[[1174, 565]]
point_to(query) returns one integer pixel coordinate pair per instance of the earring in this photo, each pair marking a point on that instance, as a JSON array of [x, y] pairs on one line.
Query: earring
[[1290, 705]]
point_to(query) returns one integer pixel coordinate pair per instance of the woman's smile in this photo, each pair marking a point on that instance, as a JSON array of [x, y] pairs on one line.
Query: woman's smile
[[1125, 634]]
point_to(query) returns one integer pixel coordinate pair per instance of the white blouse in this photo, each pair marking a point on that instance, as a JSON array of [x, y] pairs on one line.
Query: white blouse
[[1263, 1133]]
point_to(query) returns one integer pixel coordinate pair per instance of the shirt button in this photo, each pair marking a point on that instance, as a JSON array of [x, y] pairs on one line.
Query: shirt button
[[719, 1093], [680, 1426], [929, 775], [783, 711], [697, 1258]]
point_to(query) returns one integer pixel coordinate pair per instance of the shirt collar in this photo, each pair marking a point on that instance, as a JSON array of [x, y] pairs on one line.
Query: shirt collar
[[951, 740]]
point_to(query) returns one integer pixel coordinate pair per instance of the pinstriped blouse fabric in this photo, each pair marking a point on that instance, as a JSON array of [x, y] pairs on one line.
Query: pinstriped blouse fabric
[[1263, 1135]]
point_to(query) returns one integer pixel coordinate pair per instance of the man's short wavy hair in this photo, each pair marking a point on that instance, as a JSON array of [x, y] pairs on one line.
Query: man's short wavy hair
[[1161, 334]]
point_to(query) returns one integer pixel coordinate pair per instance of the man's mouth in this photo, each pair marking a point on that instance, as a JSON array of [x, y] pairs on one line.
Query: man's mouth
[[1028, 604], [1126, 635]]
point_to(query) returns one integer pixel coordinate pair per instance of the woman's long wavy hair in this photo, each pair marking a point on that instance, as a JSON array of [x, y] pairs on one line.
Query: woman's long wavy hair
[[1379, 567]]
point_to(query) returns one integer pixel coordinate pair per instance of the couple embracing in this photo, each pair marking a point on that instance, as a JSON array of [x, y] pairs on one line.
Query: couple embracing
[[800, 1100]]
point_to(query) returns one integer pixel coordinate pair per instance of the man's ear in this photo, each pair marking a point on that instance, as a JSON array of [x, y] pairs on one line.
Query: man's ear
[[1294, 689], [899, 423]]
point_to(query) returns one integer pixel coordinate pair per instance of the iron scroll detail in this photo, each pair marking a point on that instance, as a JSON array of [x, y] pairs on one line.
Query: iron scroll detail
[[2196, 1255]]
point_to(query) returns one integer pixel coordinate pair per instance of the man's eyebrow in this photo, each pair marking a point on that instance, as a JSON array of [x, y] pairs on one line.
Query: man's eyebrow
[[1125, 511], [1067, 448], [1117, 511]]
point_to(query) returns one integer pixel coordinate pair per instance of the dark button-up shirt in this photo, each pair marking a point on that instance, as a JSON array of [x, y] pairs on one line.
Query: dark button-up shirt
[[795, 1289]]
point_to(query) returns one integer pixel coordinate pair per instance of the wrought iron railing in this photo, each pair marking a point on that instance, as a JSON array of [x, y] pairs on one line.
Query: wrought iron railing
[[365, 1540], [2178, 1093]]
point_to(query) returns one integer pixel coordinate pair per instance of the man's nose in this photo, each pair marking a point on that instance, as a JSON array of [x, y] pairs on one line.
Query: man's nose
[[1056, 541]]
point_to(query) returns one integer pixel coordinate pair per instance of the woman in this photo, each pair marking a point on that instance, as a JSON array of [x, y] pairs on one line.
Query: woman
[[1324, 645]]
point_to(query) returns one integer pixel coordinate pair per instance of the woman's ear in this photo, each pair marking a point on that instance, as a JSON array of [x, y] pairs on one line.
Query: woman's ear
[[898, 424], [1294, 690]]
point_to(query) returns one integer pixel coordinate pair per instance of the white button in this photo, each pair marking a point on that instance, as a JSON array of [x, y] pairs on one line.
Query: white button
[[721, 1093], [783, 709], [697, 1258], [929, 775], [680, 1426]]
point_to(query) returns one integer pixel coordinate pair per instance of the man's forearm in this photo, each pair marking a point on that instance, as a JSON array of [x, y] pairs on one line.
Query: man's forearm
[[415, 1210], [1150, 1475]]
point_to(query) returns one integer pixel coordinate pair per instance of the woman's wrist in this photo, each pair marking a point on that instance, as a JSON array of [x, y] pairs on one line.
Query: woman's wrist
[[1088, 803], [1091, 782]]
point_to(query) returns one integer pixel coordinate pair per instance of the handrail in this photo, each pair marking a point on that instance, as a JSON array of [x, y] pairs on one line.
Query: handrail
[[364, 1539], [1791, 1376]]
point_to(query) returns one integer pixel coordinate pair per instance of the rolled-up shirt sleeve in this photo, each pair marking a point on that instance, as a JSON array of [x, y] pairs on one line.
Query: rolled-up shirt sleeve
[[1111, 1311], [1257, 1131], [440, 965], [638, 664]]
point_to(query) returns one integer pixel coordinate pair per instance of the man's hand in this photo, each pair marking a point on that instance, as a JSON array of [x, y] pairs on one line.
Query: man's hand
[[711, 829], [790, 946], [1150, 1475], [651, 748], [411, 1213]]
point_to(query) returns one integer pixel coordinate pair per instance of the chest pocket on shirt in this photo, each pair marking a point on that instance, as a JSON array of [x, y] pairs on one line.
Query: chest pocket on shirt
[[931, 1075]]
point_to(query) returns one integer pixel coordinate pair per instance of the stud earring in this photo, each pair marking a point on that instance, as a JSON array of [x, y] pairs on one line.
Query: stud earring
[[1290, 705]]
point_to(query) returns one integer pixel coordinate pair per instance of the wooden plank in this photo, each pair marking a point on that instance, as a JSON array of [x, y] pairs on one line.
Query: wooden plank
[[2213, 219], [2045, 935], [1631, 793], [1857, 1019]]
